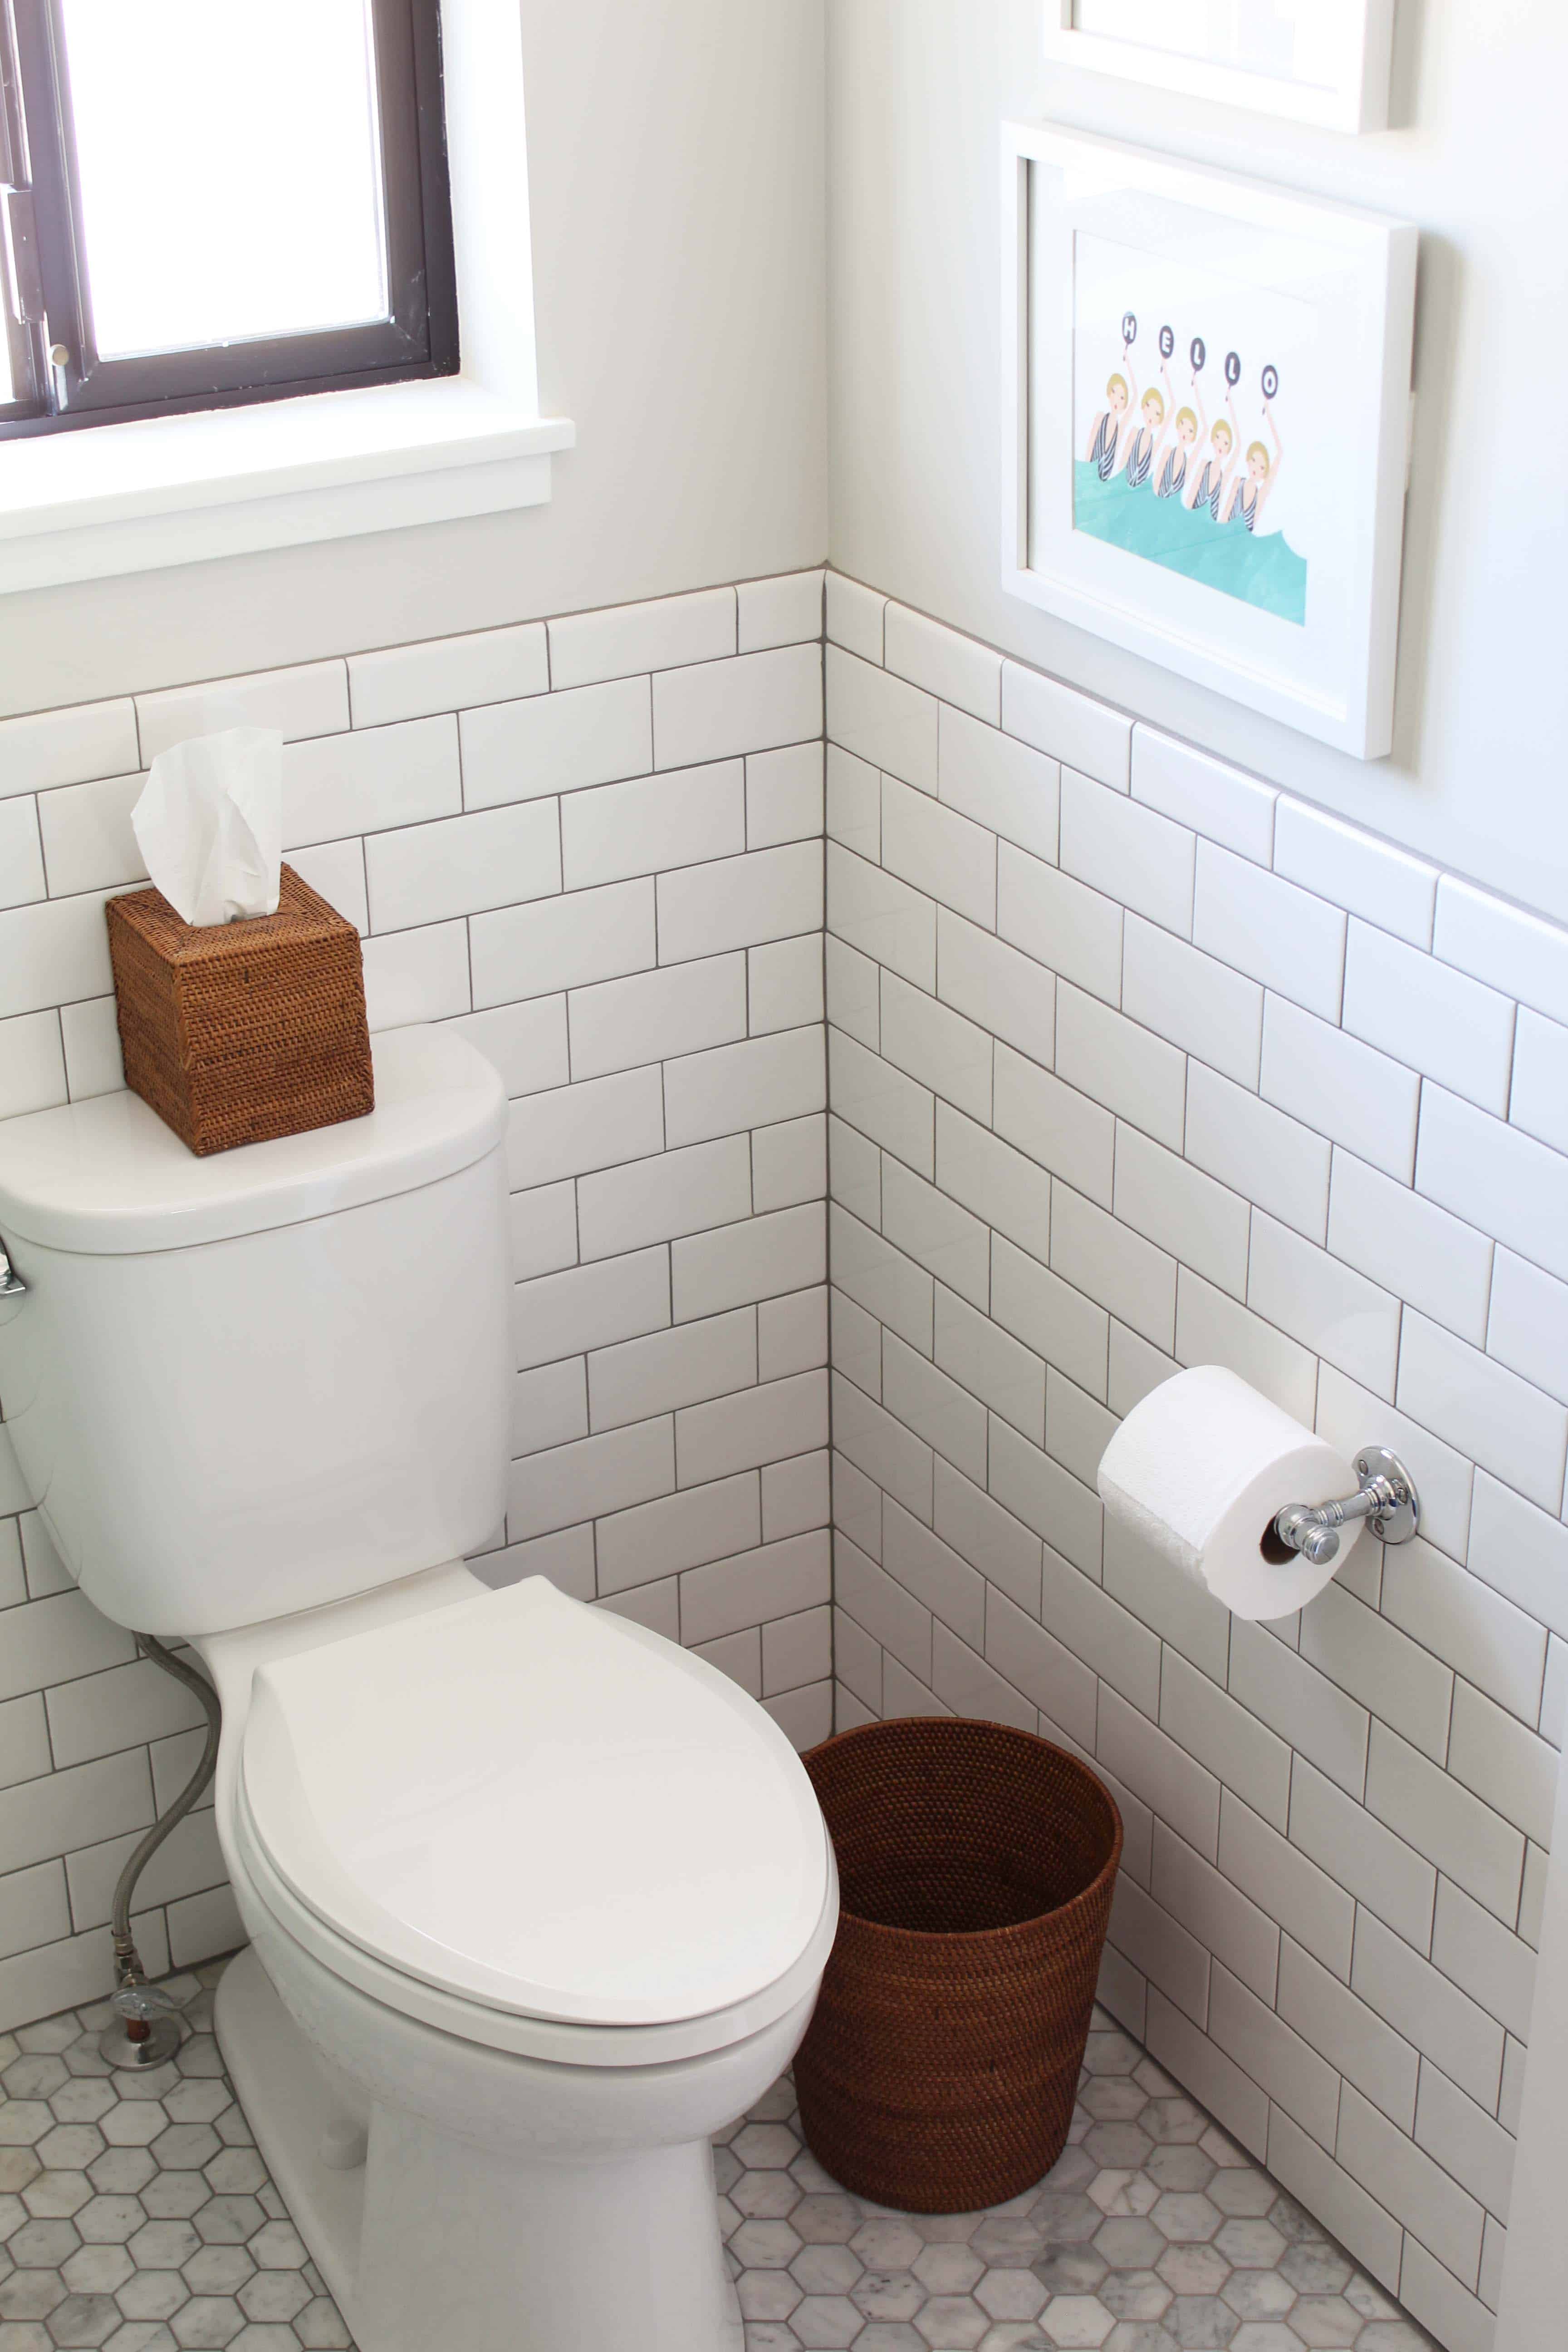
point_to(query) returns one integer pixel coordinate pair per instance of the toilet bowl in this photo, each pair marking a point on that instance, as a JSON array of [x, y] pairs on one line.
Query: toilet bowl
[[546, 1901], [537, 1901]]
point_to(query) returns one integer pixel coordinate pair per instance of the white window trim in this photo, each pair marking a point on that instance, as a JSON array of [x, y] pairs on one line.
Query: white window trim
[[115, 498]]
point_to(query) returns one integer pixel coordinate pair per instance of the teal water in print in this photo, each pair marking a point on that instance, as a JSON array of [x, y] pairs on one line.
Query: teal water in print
[[1263, 570]]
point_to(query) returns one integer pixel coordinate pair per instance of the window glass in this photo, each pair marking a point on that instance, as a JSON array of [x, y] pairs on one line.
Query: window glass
[[228, 158]]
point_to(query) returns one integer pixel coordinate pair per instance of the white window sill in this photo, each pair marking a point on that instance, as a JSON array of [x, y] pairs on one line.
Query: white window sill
[[183, 489]]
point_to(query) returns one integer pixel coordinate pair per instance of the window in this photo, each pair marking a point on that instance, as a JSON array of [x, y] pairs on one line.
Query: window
[[391, 433], [210, 203]]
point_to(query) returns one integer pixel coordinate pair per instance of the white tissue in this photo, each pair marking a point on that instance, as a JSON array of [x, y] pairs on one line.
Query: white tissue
[[1200, 1469], [210, 824]]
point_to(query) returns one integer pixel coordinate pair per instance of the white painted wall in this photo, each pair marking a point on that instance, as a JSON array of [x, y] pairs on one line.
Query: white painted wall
[[917, 88], [676, 183]]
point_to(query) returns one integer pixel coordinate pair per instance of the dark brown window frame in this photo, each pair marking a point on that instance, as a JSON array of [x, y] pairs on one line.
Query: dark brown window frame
[[45, 300]]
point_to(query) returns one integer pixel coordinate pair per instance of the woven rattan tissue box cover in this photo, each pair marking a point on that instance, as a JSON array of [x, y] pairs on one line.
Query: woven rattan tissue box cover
[[239, 1032]]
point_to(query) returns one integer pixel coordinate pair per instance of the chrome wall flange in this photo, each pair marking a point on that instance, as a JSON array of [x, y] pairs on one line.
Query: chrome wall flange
[[1387, 1501], [1398, 1514]]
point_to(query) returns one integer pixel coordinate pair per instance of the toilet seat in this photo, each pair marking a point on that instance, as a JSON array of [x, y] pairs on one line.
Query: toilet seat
[[538, 1825]]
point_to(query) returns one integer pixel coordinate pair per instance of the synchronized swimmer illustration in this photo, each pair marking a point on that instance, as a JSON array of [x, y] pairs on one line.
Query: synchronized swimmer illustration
[[1176, 490]]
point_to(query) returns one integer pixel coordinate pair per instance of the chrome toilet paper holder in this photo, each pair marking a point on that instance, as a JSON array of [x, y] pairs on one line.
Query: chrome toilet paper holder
[[1386, 1500]]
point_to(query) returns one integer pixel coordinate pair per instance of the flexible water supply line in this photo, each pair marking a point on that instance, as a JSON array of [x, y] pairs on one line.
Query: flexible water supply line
[[144, 2031]]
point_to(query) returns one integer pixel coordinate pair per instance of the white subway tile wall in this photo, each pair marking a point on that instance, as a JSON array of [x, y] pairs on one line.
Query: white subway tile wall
[[1223, 1080], [594, 845], [1103, 1018]]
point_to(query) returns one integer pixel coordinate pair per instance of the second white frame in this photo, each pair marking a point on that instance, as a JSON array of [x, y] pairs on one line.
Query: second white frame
[[1356, 100]]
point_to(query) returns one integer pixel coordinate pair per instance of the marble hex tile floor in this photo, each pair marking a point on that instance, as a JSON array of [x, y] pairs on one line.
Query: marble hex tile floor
[[1153, 2234], [136, 2215], [134, 2210]]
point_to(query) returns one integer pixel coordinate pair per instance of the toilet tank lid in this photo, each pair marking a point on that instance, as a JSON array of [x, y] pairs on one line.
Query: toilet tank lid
[[107, 1177]]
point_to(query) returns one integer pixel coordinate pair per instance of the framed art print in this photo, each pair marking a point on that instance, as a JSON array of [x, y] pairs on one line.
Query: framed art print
[[1323, 61], [1206, 423]]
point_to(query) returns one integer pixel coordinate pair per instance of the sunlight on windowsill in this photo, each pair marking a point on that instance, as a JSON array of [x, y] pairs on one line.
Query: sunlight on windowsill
[[175, 490]]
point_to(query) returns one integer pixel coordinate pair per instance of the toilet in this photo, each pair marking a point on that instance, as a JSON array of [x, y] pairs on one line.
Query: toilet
[[536, 1900]]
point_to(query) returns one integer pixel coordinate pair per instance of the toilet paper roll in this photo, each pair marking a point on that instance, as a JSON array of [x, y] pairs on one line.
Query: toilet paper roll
[[1200, 1470]]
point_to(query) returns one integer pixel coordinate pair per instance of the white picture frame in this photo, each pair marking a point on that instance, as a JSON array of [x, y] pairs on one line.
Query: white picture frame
[[1337, 77], [1239, 516]]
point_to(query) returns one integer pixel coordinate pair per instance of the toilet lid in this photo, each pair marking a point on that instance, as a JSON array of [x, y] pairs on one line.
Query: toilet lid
[[539, 1806]]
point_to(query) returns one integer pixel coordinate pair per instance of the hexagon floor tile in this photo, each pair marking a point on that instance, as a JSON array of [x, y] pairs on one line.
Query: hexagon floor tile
[[1153, 2234], [136, 2215]]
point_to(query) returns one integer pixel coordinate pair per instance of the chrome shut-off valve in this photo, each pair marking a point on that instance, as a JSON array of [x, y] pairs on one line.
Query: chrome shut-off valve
[[1386, 1500], [145, 2029]]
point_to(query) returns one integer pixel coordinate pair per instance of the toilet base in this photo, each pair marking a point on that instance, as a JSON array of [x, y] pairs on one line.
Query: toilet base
[[288, 2104], [437, 2240]]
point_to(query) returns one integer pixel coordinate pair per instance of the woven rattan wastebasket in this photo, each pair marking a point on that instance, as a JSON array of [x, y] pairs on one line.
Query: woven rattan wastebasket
[[977, 1865]]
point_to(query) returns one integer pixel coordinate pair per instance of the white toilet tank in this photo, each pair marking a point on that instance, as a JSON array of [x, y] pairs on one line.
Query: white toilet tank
[[246, 1385]]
